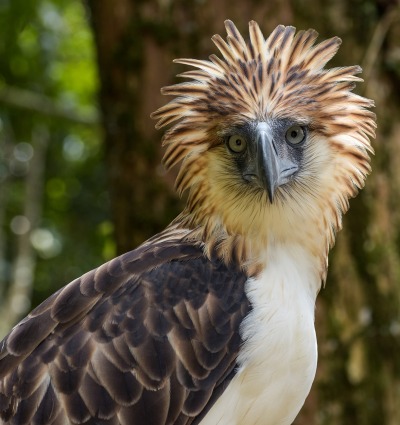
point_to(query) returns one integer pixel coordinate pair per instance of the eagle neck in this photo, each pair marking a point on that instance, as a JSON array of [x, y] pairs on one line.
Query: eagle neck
[[253, 250]]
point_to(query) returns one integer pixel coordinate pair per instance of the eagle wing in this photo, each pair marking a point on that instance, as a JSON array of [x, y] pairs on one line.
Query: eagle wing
[[150, 337]]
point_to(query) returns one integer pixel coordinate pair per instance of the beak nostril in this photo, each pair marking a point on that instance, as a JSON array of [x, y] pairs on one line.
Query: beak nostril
[[288, 172]]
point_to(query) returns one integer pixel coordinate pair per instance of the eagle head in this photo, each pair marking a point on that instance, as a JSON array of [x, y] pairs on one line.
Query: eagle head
[[272, 145]]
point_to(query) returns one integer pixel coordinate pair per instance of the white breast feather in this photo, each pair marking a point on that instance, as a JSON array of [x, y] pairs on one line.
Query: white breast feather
[[279, 356]]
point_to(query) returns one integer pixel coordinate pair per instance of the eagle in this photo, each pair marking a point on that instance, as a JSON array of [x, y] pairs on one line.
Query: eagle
[[211, 321]]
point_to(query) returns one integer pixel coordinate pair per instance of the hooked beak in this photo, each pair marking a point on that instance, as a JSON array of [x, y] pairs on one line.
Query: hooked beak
[[272, 168]]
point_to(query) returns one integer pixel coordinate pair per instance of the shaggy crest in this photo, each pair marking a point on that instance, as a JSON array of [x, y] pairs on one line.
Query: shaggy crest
[[277, 76]]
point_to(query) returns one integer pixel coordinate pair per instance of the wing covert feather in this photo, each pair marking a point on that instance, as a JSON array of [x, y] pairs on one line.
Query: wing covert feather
[[147, 338]]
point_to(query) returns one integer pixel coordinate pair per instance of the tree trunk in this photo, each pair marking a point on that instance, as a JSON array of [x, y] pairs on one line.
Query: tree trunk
[[358, 379]]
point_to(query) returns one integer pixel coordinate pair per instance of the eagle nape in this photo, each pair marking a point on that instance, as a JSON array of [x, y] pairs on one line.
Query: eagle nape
[[212, 320]]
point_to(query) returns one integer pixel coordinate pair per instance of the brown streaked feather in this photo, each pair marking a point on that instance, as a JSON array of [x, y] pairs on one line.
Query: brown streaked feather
[[224, 48], [117, 341], [205, 66], [322, 54], [221, 64], [195, 75], [234, 34]]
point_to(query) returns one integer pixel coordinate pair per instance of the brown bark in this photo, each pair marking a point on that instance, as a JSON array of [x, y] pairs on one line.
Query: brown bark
[[127, 52]]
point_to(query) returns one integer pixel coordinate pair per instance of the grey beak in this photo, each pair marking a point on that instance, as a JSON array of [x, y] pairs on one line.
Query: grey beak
[[273, 168], [268, 164]]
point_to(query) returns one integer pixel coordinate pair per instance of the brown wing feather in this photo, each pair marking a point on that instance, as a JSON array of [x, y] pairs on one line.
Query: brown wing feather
[[146, 338]]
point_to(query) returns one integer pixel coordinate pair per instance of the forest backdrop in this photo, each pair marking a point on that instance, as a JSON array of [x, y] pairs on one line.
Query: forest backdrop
[[81, 181]]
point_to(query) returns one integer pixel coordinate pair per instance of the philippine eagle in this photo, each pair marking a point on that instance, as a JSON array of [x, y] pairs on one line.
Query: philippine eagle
[[211, 321]]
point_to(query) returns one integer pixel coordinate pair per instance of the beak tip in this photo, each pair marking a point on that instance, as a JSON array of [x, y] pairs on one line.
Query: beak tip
[[270, 192]]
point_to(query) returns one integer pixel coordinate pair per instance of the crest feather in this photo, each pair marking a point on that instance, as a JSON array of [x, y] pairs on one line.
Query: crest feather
[[236, 41], [201, 64], [303, 42], [257, 40], [224, 48], [322, 53]]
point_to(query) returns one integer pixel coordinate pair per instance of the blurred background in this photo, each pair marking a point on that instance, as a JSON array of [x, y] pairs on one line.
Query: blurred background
[[81, 181]]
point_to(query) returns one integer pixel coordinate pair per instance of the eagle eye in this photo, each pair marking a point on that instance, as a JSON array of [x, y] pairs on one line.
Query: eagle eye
[[237, 143], [295, 135]]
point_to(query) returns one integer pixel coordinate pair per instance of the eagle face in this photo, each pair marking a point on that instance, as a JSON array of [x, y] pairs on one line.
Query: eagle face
[[265, 177], [267, 154]]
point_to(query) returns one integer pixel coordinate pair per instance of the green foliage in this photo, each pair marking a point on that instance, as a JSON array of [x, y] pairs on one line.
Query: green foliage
[[46, 47]]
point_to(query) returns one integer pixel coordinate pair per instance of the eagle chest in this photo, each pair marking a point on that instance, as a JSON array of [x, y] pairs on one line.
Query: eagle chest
[[278, 358]]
